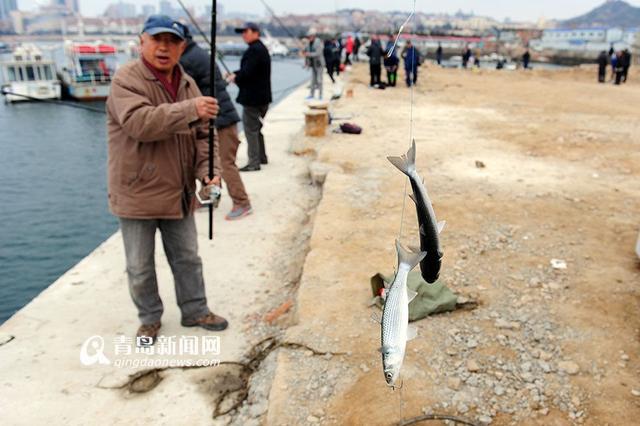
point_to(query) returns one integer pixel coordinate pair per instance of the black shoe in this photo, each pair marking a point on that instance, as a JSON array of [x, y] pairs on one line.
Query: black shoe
[[265, 161], [249, 168]]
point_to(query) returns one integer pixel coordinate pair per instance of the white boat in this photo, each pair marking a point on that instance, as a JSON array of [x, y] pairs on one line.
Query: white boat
[[30, 75], [90, 67], [275, 47]]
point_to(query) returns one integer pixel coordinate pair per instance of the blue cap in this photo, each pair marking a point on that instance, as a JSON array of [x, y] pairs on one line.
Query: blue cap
[[157, 24], [248, 26]]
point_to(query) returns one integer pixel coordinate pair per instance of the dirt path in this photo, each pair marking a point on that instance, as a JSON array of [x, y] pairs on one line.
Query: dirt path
[[546, 346]]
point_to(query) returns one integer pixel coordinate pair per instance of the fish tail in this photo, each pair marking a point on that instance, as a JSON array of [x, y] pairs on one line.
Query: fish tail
[[407, 163], [408, 257]]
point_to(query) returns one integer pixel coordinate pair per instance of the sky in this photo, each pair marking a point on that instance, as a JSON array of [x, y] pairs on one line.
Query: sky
[[526, 10]]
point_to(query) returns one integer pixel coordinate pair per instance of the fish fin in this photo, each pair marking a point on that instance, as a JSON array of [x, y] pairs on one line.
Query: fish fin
[[407, 257], [375, 317], [411, 155], [422, 231], [414, 249], [411, 294], [400, 163], [413, 198], [441, 225], [412, 332]]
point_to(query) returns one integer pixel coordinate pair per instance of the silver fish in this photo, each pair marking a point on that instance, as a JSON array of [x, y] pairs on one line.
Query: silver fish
[[395, 316], [429, 226]]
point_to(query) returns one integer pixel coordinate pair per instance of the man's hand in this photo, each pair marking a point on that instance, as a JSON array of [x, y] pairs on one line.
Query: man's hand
[[209, 182], [207, 107], [231, 78]]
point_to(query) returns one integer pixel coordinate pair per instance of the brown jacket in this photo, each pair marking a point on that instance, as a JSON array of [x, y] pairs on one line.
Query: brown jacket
[[157, 148]]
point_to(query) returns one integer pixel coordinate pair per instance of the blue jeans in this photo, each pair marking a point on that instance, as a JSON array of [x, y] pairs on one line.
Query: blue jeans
[[412, 75], [179, 239]]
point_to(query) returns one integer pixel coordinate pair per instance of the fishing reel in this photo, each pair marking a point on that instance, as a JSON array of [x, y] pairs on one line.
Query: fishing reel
[[208, 195]]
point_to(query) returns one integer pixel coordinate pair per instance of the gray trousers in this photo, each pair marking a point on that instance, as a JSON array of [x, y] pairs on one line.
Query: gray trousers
[[252, 121], [179, 240], [316, 80]]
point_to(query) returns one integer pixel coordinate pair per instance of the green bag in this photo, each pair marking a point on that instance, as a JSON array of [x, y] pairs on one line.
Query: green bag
[[431, 299]]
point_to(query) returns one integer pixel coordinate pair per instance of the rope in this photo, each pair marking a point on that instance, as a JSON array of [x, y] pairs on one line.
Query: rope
[[55, 102]]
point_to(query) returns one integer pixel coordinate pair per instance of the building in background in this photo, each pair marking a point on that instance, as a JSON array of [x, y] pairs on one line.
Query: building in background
[[586, 39], [6, 7], [121, 10], [148, 10], [70, 5]]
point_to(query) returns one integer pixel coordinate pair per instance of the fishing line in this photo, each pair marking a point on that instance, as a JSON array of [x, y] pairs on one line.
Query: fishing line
[[204, 36], [404, 197]]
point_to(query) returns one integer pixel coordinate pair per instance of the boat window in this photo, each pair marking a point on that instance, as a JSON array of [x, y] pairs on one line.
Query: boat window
[[12, 73], [30, 73], [47, 72], [39, 73], [21, 74]]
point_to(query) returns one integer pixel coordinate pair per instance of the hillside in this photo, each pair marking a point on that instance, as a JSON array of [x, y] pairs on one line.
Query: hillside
[[614, 13]]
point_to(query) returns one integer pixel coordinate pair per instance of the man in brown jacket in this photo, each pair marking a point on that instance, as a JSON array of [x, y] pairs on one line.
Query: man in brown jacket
[[158, 147]]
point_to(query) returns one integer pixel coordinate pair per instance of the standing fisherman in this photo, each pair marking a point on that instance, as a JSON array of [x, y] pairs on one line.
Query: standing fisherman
[[411, 61], [254, 80], [603, 61], [157, 148], [195, 62], [348, 48], [439, 54], [526, 58], [315, 60], [375, 53]]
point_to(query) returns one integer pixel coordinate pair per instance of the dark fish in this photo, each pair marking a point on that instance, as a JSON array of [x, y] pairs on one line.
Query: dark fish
[[429, 226]]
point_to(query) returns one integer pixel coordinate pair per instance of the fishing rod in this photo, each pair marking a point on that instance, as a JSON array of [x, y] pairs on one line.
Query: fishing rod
[[284, 27], [54, 102], [204, 36], [212, 73]]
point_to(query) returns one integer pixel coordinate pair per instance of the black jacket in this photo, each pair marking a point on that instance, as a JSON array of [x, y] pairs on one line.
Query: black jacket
[[254, 76], [195, 62], [375, 53]]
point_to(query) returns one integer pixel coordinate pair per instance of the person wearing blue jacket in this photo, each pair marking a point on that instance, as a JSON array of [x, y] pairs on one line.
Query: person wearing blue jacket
[[411, 61]]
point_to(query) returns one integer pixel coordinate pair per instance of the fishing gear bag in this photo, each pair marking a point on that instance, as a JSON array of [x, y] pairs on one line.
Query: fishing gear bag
[[350, 128]]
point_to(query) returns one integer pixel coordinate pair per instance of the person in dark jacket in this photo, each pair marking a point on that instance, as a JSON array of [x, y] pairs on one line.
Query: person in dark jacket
[[356, 48], [375, 54], [196, 62], [439, 54], [254, 81], [411, 61], [526, 58], [331, 54], [619, 68], [391, 62], [603, 61], [626, 64], [466, 55]]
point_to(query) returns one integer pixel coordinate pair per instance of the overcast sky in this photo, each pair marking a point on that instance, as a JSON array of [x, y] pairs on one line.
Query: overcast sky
[[529, 10]]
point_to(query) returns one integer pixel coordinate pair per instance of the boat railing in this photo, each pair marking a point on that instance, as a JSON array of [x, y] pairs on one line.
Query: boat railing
[[92, 77]]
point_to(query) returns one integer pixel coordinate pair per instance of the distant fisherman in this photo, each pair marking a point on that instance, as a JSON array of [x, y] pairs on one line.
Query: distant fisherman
[[314, 55], [375, 53], [603, 61], [158, 147], [196, 62], [254, 81], [411, 61]]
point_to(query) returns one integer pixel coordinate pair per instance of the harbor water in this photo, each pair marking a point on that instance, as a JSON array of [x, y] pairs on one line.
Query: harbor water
[[53, 198]]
